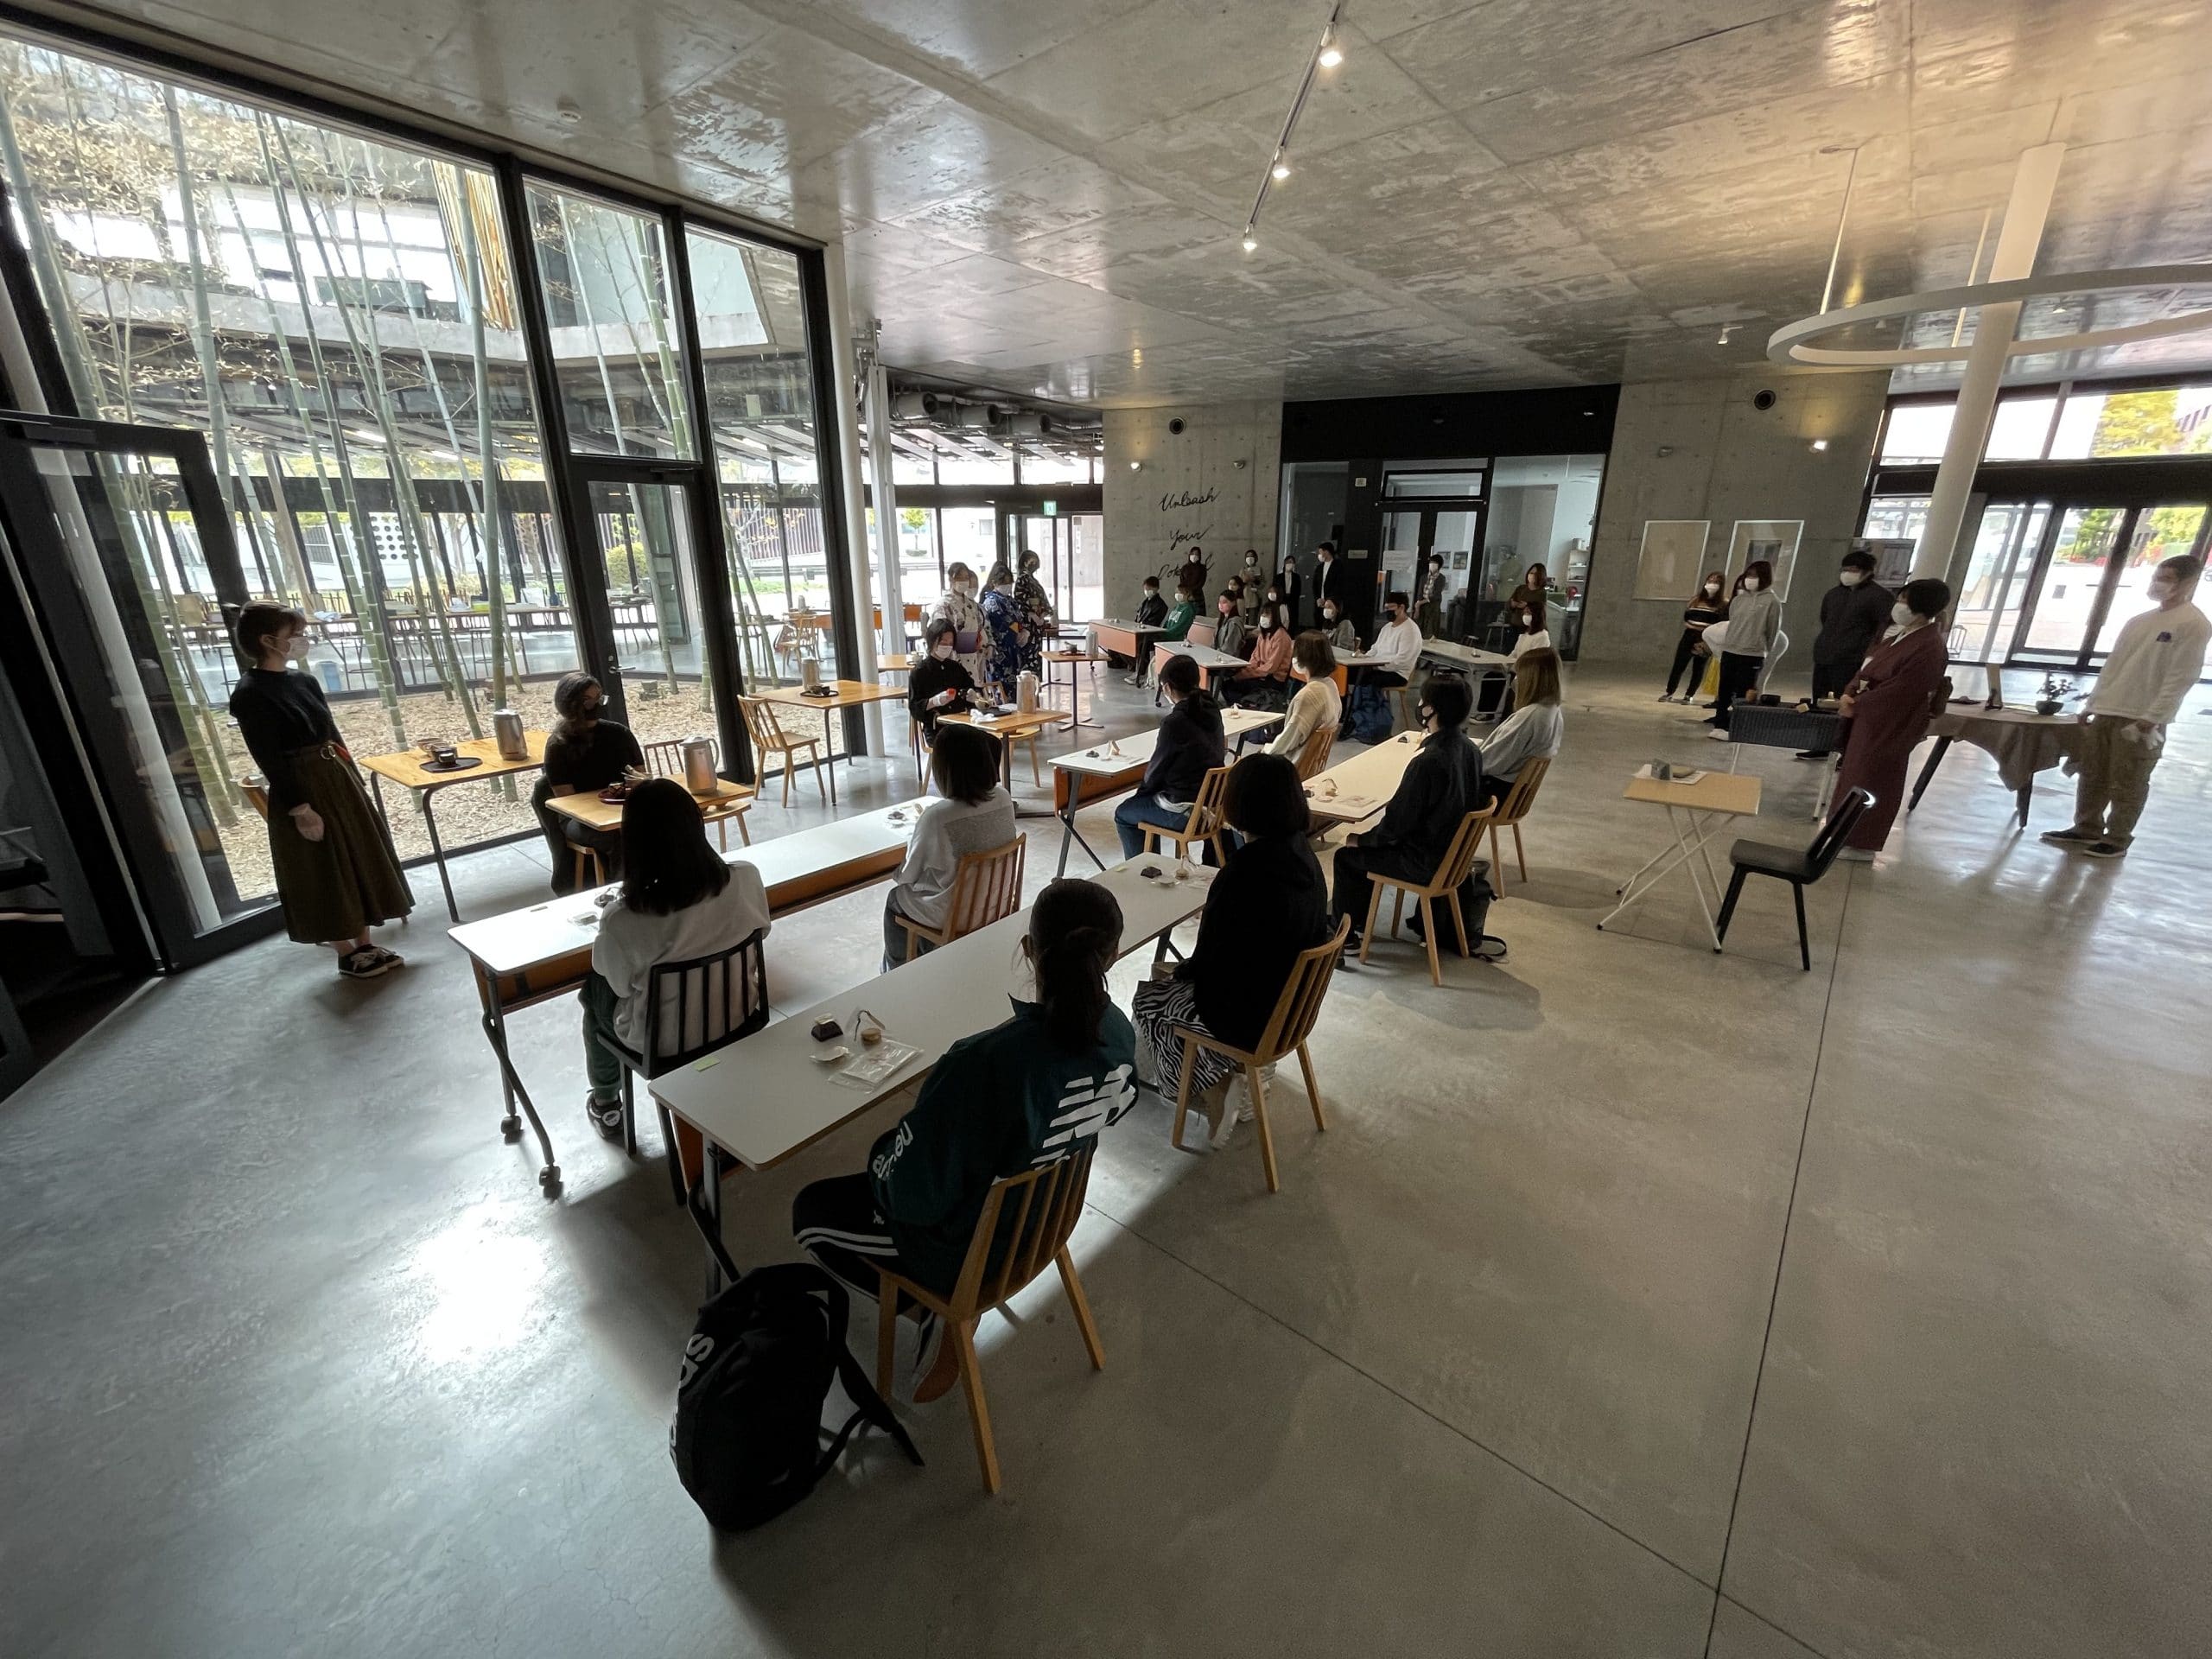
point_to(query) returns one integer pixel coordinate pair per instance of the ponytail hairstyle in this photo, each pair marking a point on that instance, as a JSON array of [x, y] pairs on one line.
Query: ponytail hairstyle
[[1074, 933]]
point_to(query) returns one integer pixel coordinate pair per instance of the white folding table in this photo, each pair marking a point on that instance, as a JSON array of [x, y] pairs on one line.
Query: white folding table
[[1694, 812], [1082, 776]]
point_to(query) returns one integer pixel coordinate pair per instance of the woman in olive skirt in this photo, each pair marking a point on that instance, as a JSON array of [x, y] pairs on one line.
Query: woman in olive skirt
[[336, 872]]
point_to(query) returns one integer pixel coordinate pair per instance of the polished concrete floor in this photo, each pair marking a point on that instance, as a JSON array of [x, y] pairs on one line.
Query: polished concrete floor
[[1638, 1302]]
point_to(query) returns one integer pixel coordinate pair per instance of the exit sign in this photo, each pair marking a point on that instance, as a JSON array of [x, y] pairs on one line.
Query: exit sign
[[1052, 509]]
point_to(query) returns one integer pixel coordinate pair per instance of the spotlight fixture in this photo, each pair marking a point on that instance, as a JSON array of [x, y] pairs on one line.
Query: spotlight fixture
[[1136, 466], [1281, 170], [1327, 54], [1819, 444], [1250, 241], [1332, 54]]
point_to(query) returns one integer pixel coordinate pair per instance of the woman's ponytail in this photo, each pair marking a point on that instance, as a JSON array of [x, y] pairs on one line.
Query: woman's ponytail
[[1074, 933]]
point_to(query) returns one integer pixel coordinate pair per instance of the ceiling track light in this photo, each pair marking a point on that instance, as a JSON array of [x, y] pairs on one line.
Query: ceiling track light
[[1327, 54]]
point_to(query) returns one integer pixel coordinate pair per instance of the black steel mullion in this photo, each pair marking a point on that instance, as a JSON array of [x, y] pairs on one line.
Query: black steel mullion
[[710, 540], [828, 400], [2108, 583], [33, 321]]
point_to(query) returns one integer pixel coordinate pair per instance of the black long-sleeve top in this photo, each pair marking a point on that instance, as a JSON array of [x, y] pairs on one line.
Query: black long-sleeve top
[[279, 711], [1191, 743], [1152, 611], [1852, 618], [1440, 787], [588, 761], [1269, 903], [929, 678]]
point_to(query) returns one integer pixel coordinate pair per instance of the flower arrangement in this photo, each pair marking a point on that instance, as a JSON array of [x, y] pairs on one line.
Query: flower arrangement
[[2055, 692]]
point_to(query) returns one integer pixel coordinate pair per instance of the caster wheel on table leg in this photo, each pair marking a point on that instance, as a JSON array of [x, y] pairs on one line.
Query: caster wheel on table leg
[[510, 1128], [549, 1179]]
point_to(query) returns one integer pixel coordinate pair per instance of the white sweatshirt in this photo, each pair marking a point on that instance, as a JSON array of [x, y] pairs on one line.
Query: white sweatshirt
[[630, 943], [1400, 643], [2157, 658]]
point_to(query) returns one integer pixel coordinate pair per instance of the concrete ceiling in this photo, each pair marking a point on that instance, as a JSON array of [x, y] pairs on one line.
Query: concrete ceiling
[[1046, 195]]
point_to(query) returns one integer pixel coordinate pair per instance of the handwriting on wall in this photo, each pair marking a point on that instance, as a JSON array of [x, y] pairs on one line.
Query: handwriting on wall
[[1182, 499]]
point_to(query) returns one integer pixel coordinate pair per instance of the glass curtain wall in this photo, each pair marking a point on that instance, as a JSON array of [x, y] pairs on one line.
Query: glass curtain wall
[[336, 314]]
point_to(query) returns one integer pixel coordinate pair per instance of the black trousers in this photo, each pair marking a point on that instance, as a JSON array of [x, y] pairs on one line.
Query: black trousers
[[1738, 675], [1685, 654], [836, 1224], [1830, 678], [1355, 888]]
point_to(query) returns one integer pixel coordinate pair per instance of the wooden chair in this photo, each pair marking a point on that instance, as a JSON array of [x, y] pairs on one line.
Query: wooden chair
[[1313, 759], [255, 788], [1205, 820], [986, 887], [1509, 812], [1799, 868], [1407, 699], [765, 725], [1046, 1204], [1287, 1028], [588, 856], [1457, 864], [692, 1008], [665, 760]]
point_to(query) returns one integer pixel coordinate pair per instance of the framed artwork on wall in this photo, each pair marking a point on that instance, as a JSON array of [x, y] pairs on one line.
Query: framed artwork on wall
[[1672, 558], [1774, 540]]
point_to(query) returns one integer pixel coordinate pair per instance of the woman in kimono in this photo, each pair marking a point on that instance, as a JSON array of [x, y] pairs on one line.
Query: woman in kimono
[[1886, 708], [1035, 606], [1004, 634], [958, 606]]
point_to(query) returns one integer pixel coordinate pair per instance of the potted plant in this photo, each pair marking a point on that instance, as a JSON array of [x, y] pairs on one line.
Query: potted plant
[[2055, 692]]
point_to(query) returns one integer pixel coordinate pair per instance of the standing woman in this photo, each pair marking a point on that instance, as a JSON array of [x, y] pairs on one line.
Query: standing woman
[[1290, 588], [958, 606], [1706, 607], [337, 876], [1038, 618], [1002, 626], [1430, 611], [583, 755], [1754, 618], [1886, 708], [1530, 593]]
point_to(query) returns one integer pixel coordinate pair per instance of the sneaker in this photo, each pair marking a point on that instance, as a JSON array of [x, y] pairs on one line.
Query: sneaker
[[1490, 948], [1666, 697], [368, 964], [2071, 837], [1132, 679], [2105, 850], [1719, 736], [1812, 754], [606, 1116]]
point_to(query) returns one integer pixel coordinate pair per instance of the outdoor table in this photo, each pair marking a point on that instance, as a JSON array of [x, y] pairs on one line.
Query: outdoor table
[[410, 769], [1074, 658]]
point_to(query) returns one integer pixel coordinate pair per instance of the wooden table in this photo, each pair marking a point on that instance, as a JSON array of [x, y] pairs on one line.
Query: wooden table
[[1130, 639], [1695, 811], [409, 769], [1074, 658], [1011, 729], [766, 1099], [729, 801], [844, 694], [1082, 776], [530, 956], [1354, 791], [2022, 742]]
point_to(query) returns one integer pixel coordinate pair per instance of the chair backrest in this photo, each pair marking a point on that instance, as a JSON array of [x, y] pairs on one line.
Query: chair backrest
[[986, 887], [1299, 1005], [1842, 818], [1313, 759], [1522, 796], [1201, 633], [256, 791], [665, 758], [1342, 676], [1459, 861], [761, 724], [694, 1007], [1026, 1221], [1775, 654], [1205, 811]]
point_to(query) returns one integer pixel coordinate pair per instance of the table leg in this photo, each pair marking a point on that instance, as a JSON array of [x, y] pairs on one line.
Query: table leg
[[1640, 885], [495, 1033], [1935, 760], [2027, 793], [830, 758], [438, 853], [704, 1202], [1692, 835], [1069, 833], [376, 789]]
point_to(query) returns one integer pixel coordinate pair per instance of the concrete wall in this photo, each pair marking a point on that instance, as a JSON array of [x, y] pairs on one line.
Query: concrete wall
[[1726, 460], [1215, 483]]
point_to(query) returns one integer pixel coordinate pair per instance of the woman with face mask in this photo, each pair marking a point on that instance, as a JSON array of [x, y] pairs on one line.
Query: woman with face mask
[[1290, 591], [336, 874], [1265, 677], [958, 605], [583, 755], [1706, 606], [1003, 625], [1886, 708], [1229, 634], [938, 682], [1252, 582], [1336, 627], [1754, 618]]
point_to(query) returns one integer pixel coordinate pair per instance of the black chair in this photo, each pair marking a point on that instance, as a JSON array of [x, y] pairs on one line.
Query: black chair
[[692, 1008], [1799, 867]]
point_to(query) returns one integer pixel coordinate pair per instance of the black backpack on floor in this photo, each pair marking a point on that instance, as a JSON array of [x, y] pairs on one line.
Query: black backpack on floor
[[747, 1438]]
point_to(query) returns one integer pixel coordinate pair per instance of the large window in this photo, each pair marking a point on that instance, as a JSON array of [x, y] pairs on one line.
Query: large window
[[2085, 423]]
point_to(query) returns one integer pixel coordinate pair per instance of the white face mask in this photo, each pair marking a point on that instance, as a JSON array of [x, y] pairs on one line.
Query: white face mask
[[296, 648], [1328, 613], [1711, 588], [2161, 589], [1267, 623], [1901, 614], [942, 651], [965, 589], [1750, 584], [1851, 578], [1250, 559]]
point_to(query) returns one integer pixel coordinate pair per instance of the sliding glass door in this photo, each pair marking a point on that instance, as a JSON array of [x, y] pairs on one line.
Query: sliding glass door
[[2054, 583]]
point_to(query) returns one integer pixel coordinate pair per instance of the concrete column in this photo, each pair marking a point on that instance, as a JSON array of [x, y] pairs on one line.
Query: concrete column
[[844, 362], [2033, 180], [885, 493]]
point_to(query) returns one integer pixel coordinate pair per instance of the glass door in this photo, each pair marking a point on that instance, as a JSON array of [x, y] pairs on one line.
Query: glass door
[[123, 546], [1997, 583], [2158, 533], [663, 644], [2063, 610], [1452, 528]]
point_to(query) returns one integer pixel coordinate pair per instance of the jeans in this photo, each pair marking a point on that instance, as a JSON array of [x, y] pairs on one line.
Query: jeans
[[1141, 808], [895, 939], [602, 1063]]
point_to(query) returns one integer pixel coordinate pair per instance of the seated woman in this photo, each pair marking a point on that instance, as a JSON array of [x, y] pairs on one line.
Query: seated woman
[[1337, 626], [1189, 744], [1268, 903], [583, 755], [1228, 634], [1442, 784], [973, 816], [680, 899], [1534, 731], [940, 682], [1317, 703], [1265, 677], [1037, 1088]]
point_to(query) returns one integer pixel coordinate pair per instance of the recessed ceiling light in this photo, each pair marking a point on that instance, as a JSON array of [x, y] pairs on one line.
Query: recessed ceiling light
[[1819, 444], [1136, 466], [1332, 54]]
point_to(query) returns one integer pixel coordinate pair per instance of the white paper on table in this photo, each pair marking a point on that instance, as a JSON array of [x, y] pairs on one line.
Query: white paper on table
[[876, 1064], [1349, 807]]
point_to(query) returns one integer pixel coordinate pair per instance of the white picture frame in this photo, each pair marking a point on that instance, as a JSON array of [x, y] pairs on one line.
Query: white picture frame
[[1775, 540], [1671, 558]]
